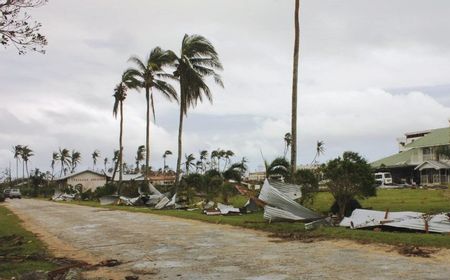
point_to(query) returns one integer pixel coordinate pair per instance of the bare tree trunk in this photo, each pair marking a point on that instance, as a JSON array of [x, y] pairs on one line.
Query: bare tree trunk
[[147, 135], [294, 91], [120, 147], [180, 142]]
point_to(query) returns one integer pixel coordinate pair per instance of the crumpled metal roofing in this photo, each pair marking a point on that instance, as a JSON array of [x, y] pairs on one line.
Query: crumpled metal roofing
[[363, 218], [291, 190], [225, 209], [291, 210]]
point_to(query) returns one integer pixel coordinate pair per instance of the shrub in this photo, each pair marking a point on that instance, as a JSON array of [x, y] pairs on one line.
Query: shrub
[[349, 176], [309, 185], [107, 189]]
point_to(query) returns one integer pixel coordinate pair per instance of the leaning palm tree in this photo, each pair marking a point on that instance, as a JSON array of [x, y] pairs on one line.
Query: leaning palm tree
[[294, 89], [149, 75], [228, 154], [220, 155], [17, 150], [25, 154], [105, 162], [139, 156], [287, 142], [198, 59], [75, 159], [64, 159], [55, 158], [95, 155], [115, 161], [120, 93], [189, 162], [320, 149], [203, 157], [214, 158], [166, 153]]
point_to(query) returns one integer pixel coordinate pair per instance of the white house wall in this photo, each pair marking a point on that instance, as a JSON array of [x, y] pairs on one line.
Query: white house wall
[[89, 181]]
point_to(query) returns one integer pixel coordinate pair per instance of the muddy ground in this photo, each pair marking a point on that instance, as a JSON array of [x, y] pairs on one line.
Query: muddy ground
[[160, 247]]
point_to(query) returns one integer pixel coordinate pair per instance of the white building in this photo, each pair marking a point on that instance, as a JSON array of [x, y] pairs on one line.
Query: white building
[[87, 180]]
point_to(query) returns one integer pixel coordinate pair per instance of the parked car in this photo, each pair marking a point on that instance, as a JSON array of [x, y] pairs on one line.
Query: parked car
[[383, 178], [12, 193], [6, 192]]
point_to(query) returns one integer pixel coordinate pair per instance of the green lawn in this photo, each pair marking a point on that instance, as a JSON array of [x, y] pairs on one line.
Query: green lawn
[[24, 244], [394, 200]]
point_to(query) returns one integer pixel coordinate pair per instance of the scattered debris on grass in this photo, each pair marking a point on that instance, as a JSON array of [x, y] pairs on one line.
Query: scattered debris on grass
[[414, 251], [296, 236]]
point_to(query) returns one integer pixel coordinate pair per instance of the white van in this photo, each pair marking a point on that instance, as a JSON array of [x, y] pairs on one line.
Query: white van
[[383, 178]]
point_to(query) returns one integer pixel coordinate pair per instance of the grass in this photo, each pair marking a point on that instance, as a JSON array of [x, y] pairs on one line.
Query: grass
[[29, 245], [395, 200]]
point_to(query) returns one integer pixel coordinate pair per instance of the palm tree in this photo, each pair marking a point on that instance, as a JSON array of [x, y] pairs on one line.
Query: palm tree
[[189, 162], [148, 75], [115, 161], [64, 159], [55, 158], [294, 89], [26, 153], [220, 155], [203, 157], [120, 93], [198, 60], [105, 162], [278, 167], [95, 156], [287, 143], [320, 149], [139, 156], [214, 158], [228, 154], [17, 150], [166, 153], [75, 159]]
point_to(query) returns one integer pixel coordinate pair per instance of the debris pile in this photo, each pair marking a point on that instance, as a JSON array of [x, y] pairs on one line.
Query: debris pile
[[280, 204], [59, 196], [363, 218], [153, 198]]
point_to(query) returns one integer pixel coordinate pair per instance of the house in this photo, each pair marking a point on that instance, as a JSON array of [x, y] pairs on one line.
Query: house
[[259, 176], [420, 159], [162, 178], [86, 180]]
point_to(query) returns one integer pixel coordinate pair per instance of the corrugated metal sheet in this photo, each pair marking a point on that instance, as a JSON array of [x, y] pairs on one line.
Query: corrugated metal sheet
[[362, 218], [291, 190], [275, 198]]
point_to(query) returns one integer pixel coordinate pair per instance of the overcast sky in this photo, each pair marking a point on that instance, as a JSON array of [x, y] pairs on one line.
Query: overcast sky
[[369, 72]]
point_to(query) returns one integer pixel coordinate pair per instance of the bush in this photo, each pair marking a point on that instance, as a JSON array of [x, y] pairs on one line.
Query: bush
[[309, 185], [350, 176], [129, 189], [87, 195], [227, 190], [107, 189]]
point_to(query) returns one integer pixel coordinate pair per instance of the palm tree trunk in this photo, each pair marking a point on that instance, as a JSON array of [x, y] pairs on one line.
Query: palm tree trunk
[[164, 167], [121, 146], [17, 168], [147, 134], [294, 90], [180, 132]]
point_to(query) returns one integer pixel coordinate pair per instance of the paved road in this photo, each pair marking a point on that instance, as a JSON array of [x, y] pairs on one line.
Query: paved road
[[158, 247]]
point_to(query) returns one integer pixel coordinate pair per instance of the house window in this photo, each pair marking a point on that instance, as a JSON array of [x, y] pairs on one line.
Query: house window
[[427, 155]]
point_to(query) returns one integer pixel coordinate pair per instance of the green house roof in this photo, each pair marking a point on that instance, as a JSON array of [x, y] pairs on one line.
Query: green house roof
[[436, 137], [397, 160]]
